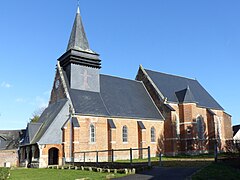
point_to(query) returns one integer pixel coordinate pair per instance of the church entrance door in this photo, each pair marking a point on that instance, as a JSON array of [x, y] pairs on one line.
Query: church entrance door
[[53, 156]]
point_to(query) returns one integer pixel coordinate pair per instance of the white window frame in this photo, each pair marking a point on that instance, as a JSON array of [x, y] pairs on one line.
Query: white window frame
[[177, 120], [92, 133], [153, 134], [125, 134], [200, 122]]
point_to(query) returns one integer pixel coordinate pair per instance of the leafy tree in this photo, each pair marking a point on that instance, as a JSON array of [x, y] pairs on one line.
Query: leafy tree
[[35, 118], [36, 115]]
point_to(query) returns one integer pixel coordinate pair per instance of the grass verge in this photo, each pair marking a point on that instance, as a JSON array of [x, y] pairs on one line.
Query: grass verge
[[57, 174], [217, 171], [4, 173]]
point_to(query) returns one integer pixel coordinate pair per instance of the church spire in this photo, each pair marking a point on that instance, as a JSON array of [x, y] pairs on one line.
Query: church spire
[[78, 51], [78, 39]]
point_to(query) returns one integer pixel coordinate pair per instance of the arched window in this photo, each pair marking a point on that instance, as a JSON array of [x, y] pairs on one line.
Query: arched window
[[200, 127], [177, 121], [125, 134], [92, 133], [153, 134], [219, 128]]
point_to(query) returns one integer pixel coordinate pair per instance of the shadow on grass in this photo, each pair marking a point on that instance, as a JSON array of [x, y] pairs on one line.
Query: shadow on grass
[[217, 171]]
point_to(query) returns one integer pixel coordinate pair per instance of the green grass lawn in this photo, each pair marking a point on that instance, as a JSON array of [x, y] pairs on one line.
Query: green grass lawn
[[219, 171], [4, 173], [56, 174], [211, 170]]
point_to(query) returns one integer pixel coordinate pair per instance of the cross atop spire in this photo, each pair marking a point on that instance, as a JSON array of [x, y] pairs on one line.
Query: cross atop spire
[[78, 39]]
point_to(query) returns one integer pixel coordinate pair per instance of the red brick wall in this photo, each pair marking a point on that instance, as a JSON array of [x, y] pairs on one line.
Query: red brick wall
[[9, 156], [187, 114], [81, 137], [227, 123], [57, 93], [44, 155]]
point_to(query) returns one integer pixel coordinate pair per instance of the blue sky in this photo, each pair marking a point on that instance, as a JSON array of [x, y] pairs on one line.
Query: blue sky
[[197, 39]]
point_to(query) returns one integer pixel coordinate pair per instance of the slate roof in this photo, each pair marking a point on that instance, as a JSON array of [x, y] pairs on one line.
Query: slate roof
[[211, 112], [86, 102], [35, 131], [78, 39], [141, 125], [48, 117], [169, 107], [31, 130], [185, 96], [118, 97], [235, 129], [169, 85], [111, 124], [75, 122], [9, 139]]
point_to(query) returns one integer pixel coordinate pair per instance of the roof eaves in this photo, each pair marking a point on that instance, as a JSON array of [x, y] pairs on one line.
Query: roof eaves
[[228, 114], [169, 107], [111, 124], [94, 115], [64, 124], [153, 84], [123, 117], [211, 112], [75, 123], [209, 107], [141, 125], [174, 102]]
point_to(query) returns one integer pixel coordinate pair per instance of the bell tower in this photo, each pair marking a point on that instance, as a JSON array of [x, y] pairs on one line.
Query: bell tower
[[80, 63]]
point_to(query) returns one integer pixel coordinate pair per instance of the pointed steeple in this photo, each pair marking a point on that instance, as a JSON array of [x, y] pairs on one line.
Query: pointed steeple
[[80, 64], [78, 39]]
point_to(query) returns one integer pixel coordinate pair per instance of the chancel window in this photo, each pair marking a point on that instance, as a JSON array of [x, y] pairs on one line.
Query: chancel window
[[218, 128], [92, 133], [200, 127], [153, 134], [125, 134]]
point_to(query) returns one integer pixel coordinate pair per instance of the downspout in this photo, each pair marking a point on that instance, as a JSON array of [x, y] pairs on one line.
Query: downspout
[[71, 134]]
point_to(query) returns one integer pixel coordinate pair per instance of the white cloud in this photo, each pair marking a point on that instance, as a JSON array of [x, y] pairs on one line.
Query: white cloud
[[38, 102], [5, 85]]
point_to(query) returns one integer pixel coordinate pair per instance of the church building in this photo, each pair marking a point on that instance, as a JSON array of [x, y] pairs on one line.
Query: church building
[[89, 111]]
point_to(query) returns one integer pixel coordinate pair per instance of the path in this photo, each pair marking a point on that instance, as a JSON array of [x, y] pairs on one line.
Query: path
[[169, 173]]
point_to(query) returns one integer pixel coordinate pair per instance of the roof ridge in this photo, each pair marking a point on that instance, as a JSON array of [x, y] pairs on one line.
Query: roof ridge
[[128, 79], [179, 76]]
